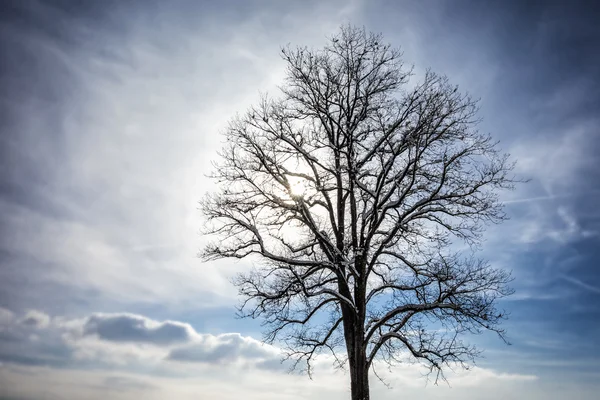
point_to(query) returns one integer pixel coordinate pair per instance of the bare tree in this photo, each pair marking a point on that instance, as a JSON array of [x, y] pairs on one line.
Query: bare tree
[[352, 188]]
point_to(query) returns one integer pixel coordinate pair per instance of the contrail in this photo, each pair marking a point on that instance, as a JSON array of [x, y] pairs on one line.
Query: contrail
[[581, 284], [550, 197]]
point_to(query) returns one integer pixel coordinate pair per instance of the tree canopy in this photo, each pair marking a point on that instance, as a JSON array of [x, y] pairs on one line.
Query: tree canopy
[[353, 189]]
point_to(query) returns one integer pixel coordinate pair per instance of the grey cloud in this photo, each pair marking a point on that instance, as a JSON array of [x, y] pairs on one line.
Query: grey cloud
[[31, 340], [5, 316], [227, 348], [136, 328], [35, 338], [35, 319]]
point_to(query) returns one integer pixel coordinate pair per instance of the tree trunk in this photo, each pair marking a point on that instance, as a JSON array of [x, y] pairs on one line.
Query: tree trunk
[[357, 359], [359, 374], [357, 351]]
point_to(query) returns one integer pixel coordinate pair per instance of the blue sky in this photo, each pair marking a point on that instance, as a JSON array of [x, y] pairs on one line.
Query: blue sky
[[110, 115]]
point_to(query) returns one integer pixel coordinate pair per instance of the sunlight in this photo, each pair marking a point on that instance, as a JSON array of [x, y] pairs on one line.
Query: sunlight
[[298, 186]]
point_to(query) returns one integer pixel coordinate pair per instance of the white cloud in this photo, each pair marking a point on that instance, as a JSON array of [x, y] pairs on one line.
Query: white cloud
[[224, 383]]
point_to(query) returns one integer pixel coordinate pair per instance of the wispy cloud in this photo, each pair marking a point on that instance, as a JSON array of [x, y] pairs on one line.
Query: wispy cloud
[[114, 166], [560, 226]]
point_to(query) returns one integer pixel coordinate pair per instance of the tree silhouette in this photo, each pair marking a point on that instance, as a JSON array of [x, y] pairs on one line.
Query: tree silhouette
[[353, 189]]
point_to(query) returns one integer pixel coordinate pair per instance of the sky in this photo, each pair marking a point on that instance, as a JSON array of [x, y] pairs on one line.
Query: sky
[[110, 117]]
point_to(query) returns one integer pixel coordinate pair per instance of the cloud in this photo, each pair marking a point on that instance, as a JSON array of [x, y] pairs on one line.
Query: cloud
[[31, 339], [215, 381], [6, 316], [184, 344], [126, 383], [557, 159], [130, 341], [560, 226], [35, 319], [137, 329], [128, 356], [138, 344], [105, 177], [228, 348]]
